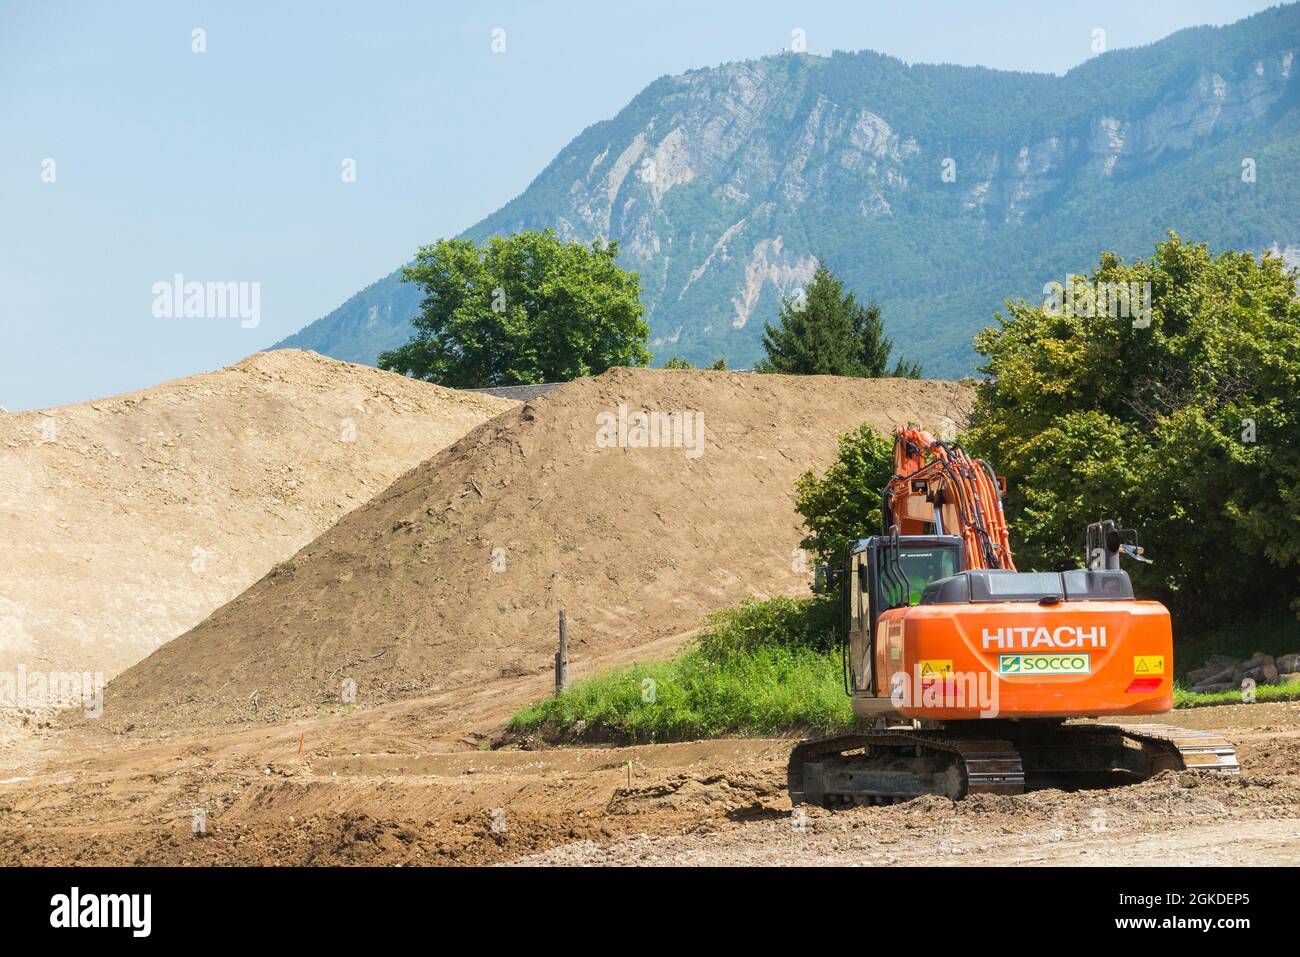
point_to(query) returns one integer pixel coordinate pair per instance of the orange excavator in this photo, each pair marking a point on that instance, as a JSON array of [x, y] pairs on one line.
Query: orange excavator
[[970, 672]]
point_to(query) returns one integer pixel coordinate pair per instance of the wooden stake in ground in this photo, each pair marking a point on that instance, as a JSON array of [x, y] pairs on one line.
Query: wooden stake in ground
[[562, 657]]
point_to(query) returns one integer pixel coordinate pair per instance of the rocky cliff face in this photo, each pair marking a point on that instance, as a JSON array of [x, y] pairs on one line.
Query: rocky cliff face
[[1016, 181], [937, 190]]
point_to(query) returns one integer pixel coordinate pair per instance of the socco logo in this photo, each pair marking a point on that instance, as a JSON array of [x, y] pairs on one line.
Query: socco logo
[[1044, 664]]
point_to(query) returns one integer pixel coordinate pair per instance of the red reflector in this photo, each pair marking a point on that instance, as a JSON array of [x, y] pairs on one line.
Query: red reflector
[[1139, 685]]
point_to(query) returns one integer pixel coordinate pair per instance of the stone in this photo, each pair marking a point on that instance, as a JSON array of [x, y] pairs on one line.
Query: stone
[[1287, 664], [1230, 675], [1262, 674]]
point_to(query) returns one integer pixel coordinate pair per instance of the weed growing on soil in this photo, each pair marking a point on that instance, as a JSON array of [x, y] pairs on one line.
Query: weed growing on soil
[[765, 667]]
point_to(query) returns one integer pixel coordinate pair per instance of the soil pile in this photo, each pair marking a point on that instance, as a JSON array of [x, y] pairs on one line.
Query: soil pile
[[454, 576], [126, 521]]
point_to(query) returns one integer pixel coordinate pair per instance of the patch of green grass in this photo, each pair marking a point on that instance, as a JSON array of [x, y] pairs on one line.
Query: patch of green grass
[[1190, 699], [762, 668]]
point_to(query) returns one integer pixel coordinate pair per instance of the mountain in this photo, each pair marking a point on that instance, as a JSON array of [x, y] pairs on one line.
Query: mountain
[[724, 185]]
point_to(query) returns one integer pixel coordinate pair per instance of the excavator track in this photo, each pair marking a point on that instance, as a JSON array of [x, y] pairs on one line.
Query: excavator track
[[1085, 755], [888, 766], [1194, 750]]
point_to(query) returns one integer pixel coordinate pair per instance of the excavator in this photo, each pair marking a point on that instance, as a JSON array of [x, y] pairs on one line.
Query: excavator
[[972, 675]]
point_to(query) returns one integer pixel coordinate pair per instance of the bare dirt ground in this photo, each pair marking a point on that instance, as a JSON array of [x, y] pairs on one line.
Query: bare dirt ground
[[408, 784]]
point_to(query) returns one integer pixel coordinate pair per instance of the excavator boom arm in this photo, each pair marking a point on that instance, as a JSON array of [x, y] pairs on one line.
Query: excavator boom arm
[[938, 484]]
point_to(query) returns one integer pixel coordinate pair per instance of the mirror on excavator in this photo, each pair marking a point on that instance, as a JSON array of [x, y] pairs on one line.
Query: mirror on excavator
[[1104, 542]]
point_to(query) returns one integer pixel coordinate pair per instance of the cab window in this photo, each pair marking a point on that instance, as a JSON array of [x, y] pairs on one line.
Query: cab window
[[920, 564]]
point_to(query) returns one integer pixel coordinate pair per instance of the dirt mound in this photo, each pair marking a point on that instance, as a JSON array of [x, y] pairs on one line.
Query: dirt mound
[[455, 574], [125, 521]]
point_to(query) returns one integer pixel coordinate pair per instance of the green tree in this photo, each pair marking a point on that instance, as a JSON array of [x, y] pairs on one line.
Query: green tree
[[874, 347], [1180, 420], [843, 504], [828, 332], [520, 309]]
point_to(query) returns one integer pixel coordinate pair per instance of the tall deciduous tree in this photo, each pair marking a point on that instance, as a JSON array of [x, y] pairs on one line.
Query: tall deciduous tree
[[521, 309], [1176, 415], [828, 332]]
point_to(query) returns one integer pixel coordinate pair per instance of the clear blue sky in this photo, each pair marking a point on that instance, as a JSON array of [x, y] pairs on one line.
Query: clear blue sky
[[225, 165]]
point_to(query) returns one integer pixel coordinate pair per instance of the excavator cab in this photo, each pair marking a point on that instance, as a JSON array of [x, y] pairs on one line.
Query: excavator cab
[[884, 572]]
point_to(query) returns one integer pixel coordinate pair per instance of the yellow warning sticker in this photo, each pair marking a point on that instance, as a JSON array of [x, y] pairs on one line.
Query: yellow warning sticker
[[1148, 664], [934, 667]]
